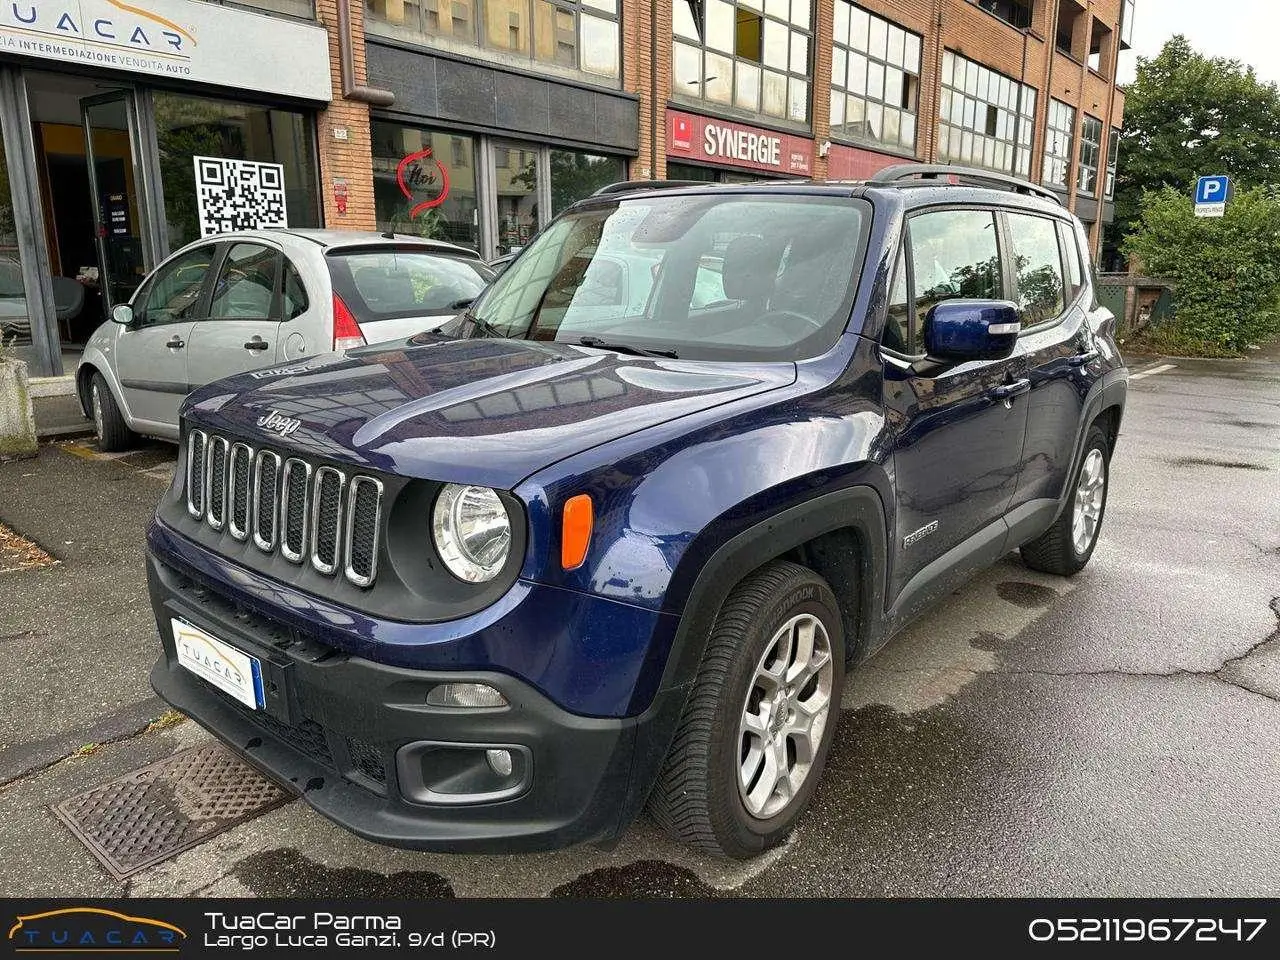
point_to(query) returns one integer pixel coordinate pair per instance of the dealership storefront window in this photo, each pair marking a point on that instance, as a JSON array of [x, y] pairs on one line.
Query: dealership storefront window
[[488, 193], [113, 160], [187, 127], [14, 326]]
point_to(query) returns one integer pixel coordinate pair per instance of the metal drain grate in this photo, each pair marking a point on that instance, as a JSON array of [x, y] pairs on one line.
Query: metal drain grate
[[157, 811]]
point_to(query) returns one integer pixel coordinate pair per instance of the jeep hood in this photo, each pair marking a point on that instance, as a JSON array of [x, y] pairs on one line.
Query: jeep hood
[[485, 411]]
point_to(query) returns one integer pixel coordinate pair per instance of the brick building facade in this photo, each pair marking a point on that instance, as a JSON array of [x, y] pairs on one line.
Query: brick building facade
[[477, 121], [534, 112]]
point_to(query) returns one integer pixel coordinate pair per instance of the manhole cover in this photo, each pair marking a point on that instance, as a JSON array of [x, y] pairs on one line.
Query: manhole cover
[[157, 811]]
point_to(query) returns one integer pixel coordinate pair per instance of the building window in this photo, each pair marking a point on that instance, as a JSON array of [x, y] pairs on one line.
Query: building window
[[748, 54], [985, 118], [189, 126], [575, 176], [1113, 156], [1057, 144], [875, 79], [1101, 54], [1090, 140], [1126, 25], [580, 36], [416, 161], [1070, 28], [306, 9], [1017, 13]]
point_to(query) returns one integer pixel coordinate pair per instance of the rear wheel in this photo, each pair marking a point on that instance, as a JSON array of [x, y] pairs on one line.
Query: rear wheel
[[760, 719], [1066, 547], [108, 422]]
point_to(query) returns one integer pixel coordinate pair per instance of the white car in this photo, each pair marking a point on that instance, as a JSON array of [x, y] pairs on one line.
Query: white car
[[257, 298]]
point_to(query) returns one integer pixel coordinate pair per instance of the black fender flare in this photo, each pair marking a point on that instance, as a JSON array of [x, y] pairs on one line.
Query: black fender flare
[[856, 507], [1109, 392]]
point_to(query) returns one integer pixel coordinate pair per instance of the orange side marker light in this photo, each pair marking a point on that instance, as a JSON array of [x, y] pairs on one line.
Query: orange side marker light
[[579, 517]]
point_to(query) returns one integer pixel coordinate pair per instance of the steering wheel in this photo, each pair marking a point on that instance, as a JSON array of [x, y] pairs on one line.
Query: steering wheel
[[788, 315]]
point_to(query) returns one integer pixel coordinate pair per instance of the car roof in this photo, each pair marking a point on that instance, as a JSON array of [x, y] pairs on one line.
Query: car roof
[[337, 239]]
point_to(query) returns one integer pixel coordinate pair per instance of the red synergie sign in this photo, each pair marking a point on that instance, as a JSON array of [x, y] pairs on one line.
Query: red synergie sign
[[733, 144]]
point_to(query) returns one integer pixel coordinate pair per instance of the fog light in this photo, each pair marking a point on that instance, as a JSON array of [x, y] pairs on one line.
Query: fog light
[[500, 762], [465, 695]]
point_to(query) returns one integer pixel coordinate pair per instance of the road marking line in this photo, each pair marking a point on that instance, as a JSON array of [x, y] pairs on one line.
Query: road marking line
[[1154, 370]]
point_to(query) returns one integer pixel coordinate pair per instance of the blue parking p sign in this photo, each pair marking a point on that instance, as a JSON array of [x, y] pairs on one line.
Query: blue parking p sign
[[1211, 195]]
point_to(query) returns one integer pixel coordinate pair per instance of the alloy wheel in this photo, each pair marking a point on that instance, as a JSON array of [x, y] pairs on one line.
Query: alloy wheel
[[1091, 492], [785, 714]]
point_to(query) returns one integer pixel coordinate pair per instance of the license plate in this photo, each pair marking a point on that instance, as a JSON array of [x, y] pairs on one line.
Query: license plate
[[230, 670]]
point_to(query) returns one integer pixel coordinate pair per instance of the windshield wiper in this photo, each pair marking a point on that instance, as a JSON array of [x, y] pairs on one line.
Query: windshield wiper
[[479, 323], [628, 348]]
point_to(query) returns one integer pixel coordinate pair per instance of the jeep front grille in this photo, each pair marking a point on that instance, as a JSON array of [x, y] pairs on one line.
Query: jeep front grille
[[320, 515]]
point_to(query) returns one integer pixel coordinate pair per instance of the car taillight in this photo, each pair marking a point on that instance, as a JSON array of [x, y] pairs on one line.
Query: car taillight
[[346, 332]]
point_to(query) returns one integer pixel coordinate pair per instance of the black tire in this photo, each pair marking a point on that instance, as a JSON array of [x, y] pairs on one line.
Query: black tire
[[1055, 550], [113, 433], [697, 798]]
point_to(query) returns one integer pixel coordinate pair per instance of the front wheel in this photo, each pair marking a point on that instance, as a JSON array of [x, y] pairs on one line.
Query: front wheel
[[760, 719], [108, 422], [1066, 547]]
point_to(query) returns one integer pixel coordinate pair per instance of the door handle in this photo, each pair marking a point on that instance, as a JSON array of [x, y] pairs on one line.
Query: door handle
[[1080, 359], [1010, 390], [257, 343], [176, 342]]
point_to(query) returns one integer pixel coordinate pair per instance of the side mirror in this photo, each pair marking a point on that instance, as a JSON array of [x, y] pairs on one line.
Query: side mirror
[[122, 314], [971, 330]]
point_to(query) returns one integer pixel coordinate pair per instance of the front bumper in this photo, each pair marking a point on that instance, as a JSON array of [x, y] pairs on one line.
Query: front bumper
[[334, 725]]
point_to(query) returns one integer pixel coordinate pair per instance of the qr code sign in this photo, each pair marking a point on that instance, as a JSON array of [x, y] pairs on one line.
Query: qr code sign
[[239, 195]]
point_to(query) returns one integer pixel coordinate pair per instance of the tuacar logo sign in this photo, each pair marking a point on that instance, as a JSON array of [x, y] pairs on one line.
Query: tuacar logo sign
[[119, 25], [206, 42], [92, 929]]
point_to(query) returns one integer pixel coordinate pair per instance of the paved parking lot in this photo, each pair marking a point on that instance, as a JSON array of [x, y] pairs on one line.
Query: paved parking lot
[[1112, 734]]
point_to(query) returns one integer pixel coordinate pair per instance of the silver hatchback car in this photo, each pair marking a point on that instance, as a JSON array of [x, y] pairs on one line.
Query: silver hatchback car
[[240, 301]]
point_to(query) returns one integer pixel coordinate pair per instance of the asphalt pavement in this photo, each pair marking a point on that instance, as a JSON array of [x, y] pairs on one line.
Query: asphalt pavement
[[1112, 734]]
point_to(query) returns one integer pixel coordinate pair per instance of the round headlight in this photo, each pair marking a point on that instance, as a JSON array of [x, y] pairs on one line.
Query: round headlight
[[472, 532]]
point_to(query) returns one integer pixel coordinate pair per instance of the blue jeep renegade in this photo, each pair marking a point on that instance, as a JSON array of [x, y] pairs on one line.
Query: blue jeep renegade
[[614, 537]]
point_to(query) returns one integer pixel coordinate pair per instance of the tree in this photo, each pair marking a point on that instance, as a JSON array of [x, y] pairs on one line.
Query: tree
[[1226, 271], [1188, 115]]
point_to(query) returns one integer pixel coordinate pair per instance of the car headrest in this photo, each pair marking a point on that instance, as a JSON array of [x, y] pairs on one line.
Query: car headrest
[[750, 268]]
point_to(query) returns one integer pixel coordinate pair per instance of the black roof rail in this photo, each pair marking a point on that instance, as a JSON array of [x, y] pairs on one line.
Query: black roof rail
[[937, 171], [626, 186]]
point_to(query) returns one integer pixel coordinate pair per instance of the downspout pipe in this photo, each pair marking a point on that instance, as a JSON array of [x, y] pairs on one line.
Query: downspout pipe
[[346, 60]]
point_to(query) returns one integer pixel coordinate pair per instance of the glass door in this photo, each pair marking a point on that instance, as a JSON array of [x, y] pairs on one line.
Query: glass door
[[112, 150]]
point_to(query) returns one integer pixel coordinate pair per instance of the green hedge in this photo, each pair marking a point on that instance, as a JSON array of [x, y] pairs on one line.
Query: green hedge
[[1226, 270]]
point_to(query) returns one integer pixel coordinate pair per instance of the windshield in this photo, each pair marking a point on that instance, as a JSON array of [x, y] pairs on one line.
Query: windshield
[[388, 283], [727, 276]]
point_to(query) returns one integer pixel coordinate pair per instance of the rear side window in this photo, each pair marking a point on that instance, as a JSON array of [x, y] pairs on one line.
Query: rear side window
[[246, 286], [293, 292], [1038, 261], [955, 254], [1071, 251], [385, 284]]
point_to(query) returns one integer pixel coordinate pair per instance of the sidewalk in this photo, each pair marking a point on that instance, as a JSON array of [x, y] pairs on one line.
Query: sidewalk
[[80, 633]]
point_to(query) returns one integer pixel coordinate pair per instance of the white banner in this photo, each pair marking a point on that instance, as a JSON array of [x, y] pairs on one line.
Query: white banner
[[196, 41]]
